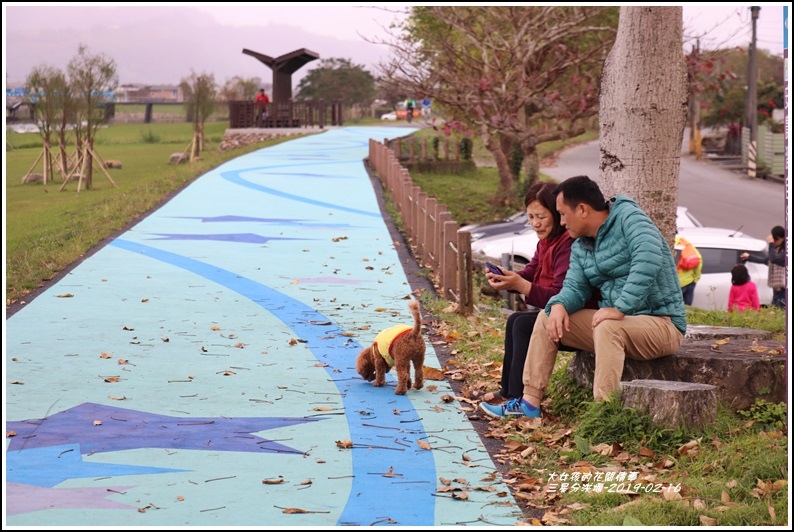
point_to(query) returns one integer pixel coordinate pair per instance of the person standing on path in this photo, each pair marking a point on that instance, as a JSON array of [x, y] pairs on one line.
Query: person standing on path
[[261, 103]]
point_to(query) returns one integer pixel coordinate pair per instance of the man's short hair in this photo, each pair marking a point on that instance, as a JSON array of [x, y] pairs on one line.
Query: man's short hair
[[778, 232], [581, 189]]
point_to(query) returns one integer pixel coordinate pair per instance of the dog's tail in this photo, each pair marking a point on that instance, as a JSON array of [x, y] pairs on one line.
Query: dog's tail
[[413, 306]]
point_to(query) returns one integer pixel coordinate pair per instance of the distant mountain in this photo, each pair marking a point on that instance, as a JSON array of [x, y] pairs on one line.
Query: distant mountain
[[162, 44]]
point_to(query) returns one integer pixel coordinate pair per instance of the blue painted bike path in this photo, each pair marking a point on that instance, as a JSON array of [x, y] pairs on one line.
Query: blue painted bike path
[[200, 369]]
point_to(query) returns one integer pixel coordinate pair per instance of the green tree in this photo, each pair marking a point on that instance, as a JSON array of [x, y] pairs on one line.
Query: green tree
[[92, 78], [200, 93], [724, 98], [338, 79], [48, 90], [517, 76], [240, 88]]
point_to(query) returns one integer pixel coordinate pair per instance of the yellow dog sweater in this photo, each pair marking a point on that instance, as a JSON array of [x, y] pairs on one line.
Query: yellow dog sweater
[[385, 339]]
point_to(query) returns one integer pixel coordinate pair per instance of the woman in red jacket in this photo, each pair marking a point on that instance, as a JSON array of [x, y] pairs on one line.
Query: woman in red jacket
[[538, 281]]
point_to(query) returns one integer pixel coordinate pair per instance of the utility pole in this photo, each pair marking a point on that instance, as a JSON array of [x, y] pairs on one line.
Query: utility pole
[[752, 98]]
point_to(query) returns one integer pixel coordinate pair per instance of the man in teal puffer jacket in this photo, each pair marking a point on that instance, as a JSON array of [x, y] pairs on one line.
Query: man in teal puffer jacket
[[620, 252]]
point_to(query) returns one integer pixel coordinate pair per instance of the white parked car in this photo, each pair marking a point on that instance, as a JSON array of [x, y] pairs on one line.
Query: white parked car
[[517, 239], [719, 247], [515, 224], [389, 116]]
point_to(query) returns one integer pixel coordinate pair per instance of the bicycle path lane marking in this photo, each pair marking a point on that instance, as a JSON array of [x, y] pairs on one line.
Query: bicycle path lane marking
[[200, 369]]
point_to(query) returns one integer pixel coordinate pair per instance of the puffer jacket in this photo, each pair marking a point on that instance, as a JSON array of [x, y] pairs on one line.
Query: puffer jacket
[[629, 262]]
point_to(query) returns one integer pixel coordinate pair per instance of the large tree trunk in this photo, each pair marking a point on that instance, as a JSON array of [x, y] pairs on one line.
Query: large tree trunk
[[643, 109], [506, 184]]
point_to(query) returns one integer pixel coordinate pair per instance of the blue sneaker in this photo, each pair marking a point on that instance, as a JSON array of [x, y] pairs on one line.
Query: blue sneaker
[[513, 407]]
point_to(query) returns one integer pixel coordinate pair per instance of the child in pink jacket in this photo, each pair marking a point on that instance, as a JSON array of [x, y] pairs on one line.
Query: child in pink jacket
[[744, 292]]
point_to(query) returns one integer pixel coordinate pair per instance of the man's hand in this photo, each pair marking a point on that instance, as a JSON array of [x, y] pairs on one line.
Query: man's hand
[[557, 323], [608, 313]]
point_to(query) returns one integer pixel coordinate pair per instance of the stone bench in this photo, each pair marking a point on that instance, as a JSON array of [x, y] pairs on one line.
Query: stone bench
[[743, 365]]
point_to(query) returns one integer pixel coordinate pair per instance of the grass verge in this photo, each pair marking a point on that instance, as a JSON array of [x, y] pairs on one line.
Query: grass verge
[[48, 229]]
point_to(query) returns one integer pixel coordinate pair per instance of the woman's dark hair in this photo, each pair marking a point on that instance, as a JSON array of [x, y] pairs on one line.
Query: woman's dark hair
[[778, 232], [739, 275], [581, 189], [543, 193]]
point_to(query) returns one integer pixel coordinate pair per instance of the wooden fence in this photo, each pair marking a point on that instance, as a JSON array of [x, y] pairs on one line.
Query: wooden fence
[[435, 238]]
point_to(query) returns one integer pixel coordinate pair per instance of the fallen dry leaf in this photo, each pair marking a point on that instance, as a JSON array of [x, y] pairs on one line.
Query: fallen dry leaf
[[117, 398], [391, 473], [698, 504], [180, 498], [97, 422], [123, 361], [273, 481], [10, 433], [344, 444], [66, 295], [424, 445], [215, 328], [294, 511], [670, 495], [708, 521], [322, 408], [105, 355], [433, 374], [111, 379]]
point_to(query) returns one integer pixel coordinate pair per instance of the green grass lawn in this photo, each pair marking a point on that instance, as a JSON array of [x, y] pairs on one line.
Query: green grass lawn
[[47, 229]]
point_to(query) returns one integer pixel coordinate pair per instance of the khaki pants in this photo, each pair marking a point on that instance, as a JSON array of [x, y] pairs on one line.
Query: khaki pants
[[636, 337]]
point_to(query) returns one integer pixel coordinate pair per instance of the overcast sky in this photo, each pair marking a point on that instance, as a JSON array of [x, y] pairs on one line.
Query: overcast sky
[[160, 43], [722, 23]]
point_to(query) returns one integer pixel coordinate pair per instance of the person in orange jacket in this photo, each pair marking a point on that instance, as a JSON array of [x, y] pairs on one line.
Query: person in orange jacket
[[689, 266]]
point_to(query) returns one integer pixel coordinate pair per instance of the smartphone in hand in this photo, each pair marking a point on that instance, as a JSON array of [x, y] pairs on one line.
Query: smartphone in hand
[[493, 268]]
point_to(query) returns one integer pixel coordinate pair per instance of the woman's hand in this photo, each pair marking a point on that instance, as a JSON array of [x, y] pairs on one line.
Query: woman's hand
[[508, 281]]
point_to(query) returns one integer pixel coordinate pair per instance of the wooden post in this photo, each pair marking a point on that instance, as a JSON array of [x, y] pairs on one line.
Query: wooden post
[[465, 282], [102, 166]]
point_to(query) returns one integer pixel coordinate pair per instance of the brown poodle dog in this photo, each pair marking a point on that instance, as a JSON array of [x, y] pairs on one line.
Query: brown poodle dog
[[398, 347]]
